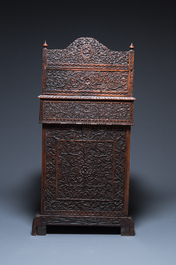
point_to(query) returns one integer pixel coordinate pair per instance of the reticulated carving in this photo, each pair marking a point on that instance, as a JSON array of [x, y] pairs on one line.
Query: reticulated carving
[[106, 206], [86, 112], [85, 170], [87, 82], [87, 50], [87, 67]]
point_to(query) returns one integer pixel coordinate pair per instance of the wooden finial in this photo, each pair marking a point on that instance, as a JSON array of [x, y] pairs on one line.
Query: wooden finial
[[131, 46], [45, 45]]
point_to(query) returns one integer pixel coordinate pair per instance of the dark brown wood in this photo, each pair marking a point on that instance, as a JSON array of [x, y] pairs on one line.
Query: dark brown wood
[[86, 112], [41, 221], [94, 112], [127, 231]]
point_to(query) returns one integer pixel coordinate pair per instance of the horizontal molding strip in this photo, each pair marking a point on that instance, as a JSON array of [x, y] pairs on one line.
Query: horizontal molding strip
[[88, 67], [61, 97]]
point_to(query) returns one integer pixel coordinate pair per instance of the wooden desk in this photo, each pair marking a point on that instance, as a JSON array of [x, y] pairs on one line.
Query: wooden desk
[[86, 111]]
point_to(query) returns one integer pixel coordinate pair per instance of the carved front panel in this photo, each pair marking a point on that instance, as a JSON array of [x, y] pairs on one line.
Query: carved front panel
[[86, 112], [85, 169], [86, 82]]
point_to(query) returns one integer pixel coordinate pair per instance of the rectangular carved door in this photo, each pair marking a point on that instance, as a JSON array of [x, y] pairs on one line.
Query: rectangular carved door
[[85, 168]]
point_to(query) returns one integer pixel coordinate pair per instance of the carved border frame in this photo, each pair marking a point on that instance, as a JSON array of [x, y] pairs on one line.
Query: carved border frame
[[124, 175]]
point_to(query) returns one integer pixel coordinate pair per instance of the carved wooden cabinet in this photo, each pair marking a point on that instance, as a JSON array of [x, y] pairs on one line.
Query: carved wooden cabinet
[[86, 111]]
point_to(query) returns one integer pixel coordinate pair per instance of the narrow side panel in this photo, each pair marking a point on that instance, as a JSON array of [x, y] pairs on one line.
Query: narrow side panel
[[127, 170], [43, 168]]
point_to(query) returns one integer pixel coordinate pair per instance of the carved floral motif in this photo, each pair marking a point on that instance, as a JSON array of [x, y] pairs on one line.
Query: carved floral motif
[[62, 81], [82, 168], [85, 168], [87, 67], [86, 50], [110, 201], [86, 112]]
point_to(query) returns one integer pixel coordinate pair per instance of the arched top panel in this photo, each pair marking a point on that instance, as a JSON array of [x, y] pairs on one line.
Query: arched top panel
[[87, 68], [86, 50]]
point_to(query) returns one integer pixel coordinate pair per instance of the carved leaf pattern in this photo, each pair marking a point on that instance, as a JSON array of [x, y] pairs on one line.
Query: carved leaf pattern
[[87, 82], [86, 67], [87, 112], [86, 50], [108, 207], [85, 170]]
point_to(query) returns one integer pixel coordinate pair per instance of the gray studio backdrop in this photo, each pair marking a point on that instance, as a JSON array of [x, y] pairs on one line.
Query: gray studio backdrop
[[151, 27]]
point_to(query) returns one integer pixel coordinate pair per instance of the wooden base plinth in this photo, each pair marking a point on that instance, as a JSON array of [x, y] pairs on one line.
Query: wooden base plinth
[[41, 221]]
